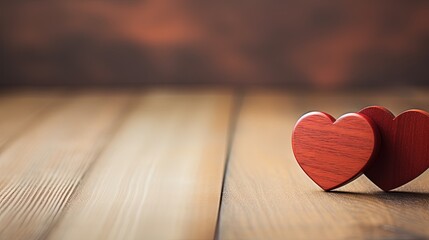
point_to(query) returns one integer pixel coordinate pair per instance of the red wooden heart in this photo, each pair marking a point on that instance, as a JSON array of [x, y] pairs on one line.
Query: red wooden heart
[[404, 148], [333, 153]]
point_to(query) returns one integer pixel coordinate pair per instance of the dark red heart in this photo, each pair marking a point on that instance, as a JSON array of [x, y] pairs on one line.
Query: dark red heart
[[404, 148], [333, 153]]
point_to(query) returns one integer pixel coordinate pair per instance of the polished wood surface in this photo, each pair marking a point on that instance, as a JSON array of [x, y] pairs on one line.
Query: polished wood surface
[[268, 196], [161, 176], [42, 168], [19, 111], [404, 149], [187, 164], [334, 152]]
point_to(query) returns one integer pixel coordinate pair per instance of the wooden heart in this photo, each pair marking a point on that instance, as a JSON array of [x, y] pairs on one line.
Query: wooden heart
[[404, 148], [333, 153]]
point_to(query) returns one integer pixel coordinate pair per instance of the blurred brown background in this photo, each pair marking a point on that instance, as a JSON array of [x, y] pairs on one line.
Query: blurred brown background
[[322, 44]]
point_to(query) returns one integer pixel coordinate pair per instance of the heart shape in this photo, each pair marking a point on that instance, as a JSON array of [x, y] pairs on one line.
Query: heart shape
[[404, 148], [333, 153]]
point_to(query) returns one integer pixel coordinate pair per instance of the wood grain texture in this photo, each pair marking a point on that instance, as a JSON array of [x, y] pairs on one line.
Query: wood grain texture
[[161, 176], [267, 195], [40, 170], [19, 110], [334, 152], [166, 146], [404, 149]]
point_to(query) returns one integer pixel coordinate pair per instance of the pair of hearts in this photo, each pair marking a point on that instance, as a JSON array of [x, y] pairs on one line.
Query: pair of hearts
[[391, 151]]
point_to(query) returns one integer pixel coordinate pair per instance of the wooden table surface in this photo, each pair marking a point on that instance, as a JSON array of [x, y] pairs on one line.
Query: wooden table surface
[[176, 163]]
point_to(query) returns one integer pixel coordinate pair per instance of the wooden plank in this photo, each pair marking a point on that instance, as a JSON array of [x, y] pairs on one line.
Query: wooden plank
[[19, 110], [40, 170], [267, 195], [161, 177]]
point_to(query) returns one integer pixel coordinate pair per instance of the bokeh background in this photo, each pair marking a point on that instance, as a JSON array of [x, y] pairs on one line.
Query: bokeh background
[[318, 44]]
